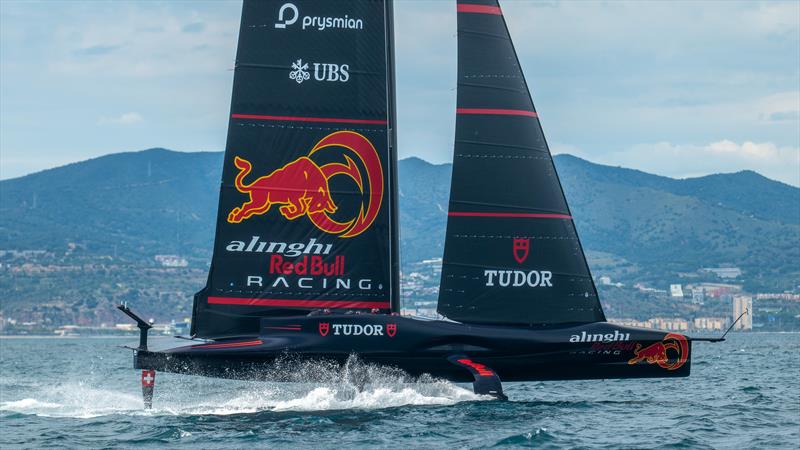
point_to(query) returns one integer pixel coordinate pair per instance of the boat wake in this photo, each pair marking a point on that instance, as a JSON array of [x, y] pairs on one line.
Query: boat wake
[[304, 387]]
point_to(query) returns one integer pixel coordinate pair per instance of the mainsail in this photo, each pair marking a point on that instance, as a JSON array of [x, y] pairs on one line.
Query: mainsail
[[512, 254], [307, 213]]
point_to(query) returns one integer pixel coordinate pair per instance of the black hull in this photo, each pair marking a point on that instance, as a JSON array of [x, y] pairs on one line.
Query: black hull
[[594, 351]]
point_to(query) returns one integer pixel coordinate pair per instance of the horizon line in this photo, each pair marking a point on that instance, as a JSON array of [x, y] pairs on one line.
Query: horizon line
[[692, 177]]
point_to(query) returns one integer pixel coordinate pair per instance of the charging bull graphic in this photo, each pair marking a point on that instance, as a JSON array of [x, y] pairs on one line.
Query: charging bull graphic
[[657, 353], [301, 187]]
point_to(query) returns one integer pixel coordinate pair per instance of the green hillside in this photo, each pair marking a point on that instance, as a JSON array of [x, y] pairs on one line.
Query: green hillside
[[103, 220]]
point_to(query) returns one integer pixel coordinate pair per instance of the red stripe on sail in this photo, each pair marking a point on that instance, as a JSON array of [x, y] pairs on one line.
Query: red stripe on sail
[[308, 119], [343, 304], [513, 215], [231, 344], [479, 9], [497, 112]]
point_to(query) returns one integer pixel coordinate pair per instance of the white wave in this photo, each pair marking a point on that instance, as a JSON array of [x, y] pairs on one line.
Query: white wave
[[75, 400], [324, 398], [309, 387]]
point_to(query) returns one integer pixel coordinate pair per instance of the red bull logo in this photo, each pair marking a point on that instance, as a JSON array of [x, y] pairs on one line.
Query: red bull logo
[[300, 188], [671, 353]]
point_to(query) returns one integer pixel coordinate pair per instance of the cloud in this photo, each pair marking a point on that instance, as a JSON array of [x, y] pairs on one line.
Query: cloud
[[605, 76], [96, 50], [125, 41], [196, 27], [784, 106], [128, 118], [689, 160]]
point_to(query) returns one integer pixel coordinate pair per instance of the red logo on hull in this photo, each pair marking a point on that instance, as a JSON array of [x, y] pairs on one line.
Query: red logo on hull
[[522, 248], [671, 353], [391, 329], [324, 328]]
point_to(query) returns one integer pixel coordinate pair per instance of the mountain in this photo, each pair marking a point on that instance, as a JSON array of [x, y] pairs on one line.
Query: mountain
[[136, 204], [128, 207], [663, 226]]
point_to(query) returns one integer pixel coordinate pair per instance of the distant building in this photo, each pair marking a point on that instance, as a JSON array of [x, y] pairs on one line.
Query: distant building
[[671, 324], [717, 290], [675, 290], [781, 296], [171, 261], [742, 303], [711, 323], [657, 323], [724, 272], [698, 296]]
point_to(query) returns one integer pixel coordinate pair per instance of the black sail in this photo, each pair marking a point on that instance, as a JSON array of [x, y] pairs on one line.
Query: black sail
[[307, 215], [512, 254]]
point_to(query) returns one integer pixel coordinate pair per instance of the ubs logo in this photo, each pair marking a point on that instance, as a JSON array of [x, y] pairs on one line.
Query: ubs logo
[[322, 72]]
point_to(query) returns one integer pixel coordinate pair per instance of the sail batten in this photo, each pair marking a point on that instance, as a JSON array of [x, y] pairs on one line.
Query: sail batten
[[309, 119], [512, 254]]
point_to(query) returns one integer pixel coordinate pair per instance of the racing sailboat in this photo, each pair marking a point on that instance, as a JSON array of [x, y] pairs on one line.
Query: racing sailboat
[[306, 252]]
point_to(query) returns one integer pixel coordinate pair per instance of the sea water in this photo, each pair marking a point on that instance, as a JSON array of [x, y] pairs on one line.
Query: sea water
[[83, 393]]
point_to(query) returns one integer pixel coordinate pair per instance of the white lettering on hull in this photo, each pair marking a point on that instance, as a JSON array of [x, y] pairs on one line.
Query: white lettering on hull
[[600, 337], [346, 329]]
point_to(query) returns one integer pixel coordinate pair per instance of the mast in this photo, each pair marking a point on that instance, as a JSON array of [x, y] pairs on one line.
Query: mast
[[512, 254], [307, 211], [395, 299]]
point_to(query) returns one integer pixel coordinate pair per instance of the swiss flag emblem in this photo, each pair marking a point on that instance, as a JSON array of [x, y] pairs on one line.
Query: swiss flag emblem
[[148, 378], [324, 327], [391, 329], [522, 248]]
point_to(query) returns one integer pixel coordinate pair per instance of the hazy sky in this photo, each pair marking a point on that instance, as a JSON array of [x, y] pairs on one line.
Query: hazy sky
[[674, 88]]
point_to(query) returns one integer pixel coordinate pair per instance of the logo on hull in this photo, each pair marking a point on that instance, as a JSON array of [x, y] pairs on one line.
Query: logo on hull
[[616, 336], [351, 329], [671, 353], [300, 188]]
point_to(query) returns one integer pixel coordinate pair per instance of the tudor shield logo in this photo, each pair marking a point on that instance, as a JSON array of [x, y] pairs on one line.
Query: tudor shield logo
[[522, 248], [391, 329], [324, 328]]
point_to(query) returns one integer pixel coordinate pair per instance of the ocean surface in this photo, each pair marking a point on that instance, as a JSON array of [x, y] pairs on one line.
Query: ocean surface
[[83, 393]]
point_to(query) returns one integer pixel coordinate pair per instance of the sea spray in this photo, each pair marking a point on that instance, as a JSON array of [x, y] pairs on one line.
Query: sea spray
[[294, 385]]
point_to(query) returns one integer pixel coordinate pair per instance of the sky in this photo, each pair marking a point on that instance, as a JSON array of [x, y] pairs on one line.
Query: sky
[[680, 89]]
